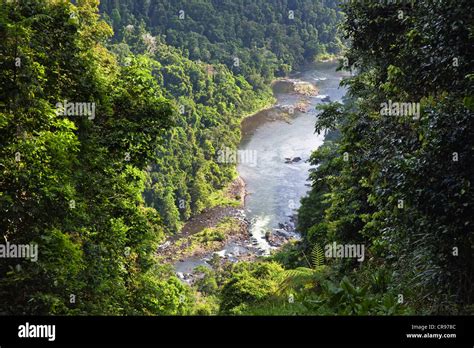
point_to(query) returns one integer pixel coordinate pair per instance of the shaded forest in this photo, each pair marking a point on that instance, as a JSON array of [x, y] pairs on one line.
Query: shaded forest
[[150, 91]]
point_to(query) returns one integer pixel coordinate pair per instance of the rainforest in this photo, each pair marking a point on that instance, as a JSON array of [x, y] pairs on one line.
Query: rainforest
[[236, 157]]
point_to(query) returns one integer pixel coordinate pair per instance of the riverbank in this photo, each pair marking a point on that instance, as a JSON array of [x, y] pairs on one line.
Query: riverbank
[[210, 230], [295, 86], [257, 216], [216, 226]]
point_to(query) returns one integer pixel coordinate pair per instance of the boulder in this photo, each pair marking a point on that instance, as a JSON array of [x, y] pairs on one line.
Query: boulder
[[326, 99]]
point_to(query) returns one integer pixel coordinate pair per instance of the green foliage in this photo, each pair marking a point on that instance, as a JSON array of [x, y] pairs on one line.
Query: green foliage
[[66, 184], [370, 161], [206, 282], [268, 37], [306, 291], [317, 256], [195, 64], [302, 278], [247, 284], [393, 158], [98, 194], [208, 239], [186, 176], [346, 299]]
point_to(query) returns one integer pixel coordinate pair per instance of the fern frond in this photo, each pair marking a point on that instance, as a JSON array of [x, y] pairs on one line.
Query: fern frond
[[295, 278], [317, 256]]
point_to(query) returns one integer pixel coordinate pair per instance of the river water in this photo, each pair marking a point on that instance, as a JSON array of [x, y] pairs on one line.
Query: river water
[[275, 187]]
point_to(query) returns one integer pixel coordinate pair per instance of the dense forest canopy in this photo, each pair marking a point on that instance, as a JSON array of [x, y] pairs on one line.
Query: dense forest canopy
[[73, 185], [112, 116], [217, 59], [394, 175], [130, 153], [256, 38], [405, 186]]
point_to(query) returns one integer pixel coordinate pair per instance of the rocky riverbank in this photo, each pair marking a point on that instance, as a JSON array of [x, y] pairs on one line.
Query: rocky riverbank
[[284, 140], [296, 86], [285, 233], [210, 230], [220, 234]]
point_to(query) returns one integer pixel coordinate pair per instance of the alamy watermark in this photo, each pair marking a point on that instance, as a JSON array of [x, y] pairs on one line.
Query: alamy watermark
[[76, 109], [400, 109], [229, 156], [335, 250], [25, 251], [28, 330]]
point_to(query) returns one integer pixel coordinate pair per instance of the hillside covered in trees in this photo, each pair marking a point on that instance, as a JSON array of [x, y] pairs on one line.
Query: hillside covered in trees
[[258, 39], [109, 143], [112, 116], [217, 59], [398, 182]]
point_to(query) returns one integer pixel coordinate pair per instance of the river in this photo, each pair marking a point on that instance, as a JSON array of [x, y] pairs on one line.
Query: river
[[275, 183]]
